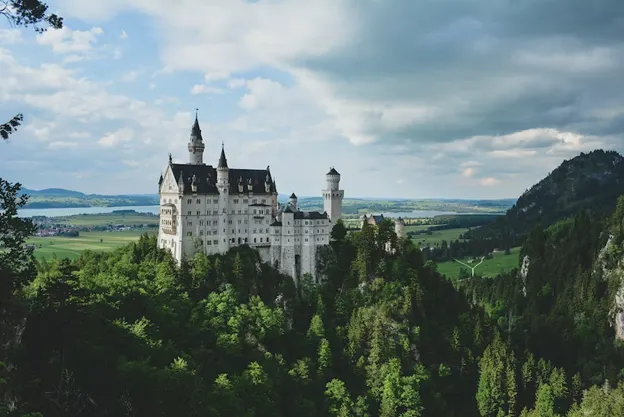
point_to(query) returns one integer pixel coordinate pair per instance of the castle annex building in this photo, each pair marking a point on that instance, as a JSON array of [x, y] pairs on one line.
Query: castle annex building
[[203, 208]]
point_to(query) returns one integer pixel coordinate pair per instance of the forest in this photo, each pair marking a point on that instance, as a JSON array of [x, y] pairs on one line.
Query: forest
[[130, 333]]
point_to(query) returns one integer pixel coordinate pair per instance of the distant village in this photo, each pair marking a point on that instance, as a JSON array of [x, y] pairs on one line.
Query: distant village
[[59, 226]]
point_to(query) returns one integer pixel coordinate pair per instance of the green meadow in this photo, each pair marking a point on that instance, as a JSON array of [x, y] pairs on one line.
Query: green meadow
[[489, 268], [436, 237], [70, 247]]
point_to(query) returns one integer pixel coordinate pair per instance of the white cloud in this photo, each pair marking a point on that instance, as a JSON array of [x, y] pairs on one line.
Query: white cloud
[[234, 83], [123, 35], [115, 138], [62, 145], [10, 36], [131, 76], [66, 40], [206, 89], [489, 181]]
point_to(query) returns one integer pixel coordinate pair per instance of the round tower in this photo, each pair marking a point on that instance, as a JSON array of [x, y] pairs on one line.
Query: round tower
[[292, 201], [222, 168], [196, 145], [399, 228], [333, 179], [333, 195]]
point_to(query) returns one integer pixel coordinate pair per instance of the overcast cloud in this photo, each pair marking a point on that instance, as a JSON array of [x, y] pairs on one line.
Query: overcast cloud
[[434, 98]]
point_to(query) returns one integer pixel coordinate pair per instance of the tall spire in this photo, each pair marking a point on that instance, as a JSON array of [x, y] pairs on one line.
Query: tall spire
[[222, 158], [196, 131], [196, 144]]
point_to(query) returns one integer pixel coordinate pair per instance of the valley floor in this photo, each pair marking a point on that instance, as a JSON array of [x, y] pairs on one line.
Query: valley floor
[[71, 247]]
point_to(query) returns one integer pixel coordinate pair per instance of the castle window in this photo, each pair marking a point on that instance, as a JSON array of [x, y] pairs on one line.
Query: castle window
[[223, 230], [267, 231], [201, 222], [189, 233], [255, 230], [233, 231], [306, 230], [236, 201], [215, 201], [245, 230], [209, 242], [246, 221], [254, 240], [189, 212], [239, 212], [239, 221], [201, 232], [216, 242], [254, 212], [245, 201], [306, 239], [260, 240], [189, 223], [246, 240], [229, 221], [189, 201], [306, 222], [254, 201], [198, 201], [198, 212]]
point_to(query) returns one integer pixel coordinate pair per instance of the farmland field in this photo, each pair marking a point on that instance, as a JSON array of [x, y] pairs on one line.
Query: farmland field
[[130, 219], [436, 236], [70, 247], [489, 268]]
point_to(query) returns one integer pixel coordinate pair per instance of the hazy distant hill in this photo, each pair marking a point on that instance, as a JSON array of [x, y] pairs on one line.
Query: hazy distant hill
[[591, 181], [62, 198]]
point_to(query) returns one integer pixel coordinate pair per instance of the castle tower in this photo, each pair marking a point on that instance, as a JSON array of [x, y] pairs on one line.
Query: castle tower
[[196, 145], [333, 195], [292, 201], [223, 185], [399, 228]]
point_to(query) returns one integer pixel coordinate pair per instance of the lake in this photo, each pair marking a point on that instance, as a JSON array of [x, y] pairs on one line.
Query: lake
[[59, 212], [70, 211], [419, 213]]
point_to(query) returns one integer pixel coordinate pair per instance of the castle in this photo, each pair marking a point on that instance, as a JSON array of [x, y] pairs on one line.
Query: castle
[[211, 210]]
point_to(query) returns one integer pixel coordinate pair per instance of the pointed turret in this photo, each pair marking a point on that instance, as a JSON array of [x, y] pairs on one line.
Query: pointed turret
[[195, 130], [222, 158], [196, 145], [222, 168], [292, 201]]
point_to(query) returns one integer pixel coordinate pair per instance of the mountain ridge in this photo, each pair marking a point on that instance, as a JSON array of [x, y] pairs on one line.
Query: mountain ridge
[[590, 181]]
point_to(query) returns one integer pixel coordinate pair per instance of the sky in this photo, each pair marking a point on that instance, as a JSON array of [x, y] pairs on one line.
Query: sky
[[406, 99]]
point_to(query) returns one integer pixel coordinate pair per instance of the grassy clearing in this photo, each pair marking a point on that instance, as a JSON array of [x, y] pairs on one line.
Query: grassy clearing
[[70, 247], [436, 237], [108, 219], [489, 268]]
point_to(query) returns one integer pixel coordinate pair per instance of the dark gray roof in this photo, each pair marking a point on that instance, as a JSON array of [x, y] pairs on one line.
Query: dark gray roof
[[310, 215], [293, 195], [222, 159], [195, 130], [276, 223], [377, 217], [333, 171], [160, 180], [206, 176]]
